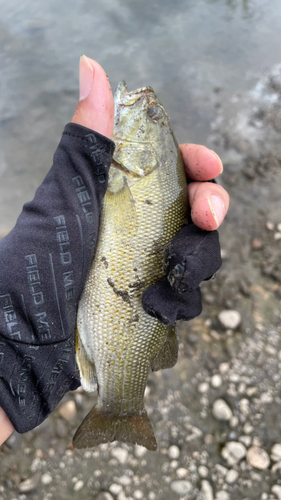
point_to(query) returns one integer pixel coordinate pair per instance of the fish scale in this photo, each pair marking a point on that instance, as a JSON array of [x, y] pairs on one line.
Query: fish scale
[[143, 208]]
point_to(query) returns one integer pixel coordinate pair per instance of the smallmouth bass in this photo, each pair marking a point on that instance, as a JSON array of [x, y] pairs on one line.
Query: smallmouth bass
[[144, 207]]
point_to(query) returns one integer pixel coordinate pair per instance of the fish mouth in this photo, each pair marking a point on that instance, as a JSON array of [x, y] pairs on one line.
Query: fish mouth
[[125, 98]]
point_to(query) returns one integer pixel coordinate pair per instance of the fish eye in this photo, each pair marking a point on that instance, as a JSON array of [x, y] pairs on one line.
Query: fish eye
[[155, 113]]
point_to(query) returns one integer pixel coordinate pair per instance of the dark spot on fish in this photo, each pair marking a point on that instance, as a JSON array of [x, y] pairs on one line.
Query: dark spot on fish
[[137, 285], [149, 202], [134, 320], [135, 269], [103, 259], [121, 293], [158, 247]]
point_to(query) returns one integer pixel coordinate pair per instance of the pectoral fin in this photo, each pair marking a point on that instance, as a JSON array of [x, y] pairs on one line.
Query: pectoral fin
[[86, 367], [98, 427], [167, 356]]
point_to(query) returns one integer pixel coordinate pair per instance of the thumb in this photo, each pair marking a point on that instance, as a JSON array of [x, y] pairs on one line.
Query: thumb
[[95, 109]]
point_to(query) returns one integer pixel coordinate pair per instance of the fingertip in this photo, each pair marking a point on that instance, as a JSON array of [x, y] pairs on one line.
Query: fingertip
[[201, 163], [209, 205]]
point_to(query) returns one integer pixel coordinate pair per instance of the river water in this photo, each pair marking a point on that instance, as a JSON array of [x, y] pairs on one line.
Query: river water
[[196, 54]]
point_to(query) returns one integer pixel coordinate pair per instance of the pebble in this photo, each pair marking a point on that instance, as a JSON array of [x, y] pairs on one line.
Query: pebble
[[231, 476], [229, 318], [46, 478], [276, 452], [121, 496], [276, 467], [246, 440], [221, 410], [151, 496], [140, 451], [181, 472], [216, 380], [270, 225], [234, 421], [233, 452], [115, 488], [104, 495], [203, 471], [181, 487], [258, 458], [276, 490], [277, 236], [248, 428], [68, 410], [206, 490], [204, 387], [222, 495], [79, 485], [174, 452], [120, 454], [224, 367], [279, 227], [125, 480], [29, 484], [257, 244], [138, 494], [244, 406]]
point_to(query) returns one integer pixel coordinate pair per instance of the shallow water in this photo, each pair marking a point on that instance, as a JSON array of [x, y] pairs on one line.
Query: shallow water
[[195, 54]]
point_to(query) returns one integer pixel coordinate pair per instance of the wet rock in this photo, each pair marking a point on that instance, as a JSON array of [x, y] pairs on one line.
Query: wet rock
[[46, 479], [68, 410], [229, 318], [221, 410], [276, 490], [104, 495], [216, 381], [125, 480], [140, 451], [206, 491], [29, 484], [222, 495], [276, 467], [120, 454], [233, 452], [204, 387], [231, 476], [174, 452], [203, 471], [276, 452], [138, 494], [258, 458], [181, 472], [257, 244], [181, 487], [78, 485], [270, 226], [115, 488]]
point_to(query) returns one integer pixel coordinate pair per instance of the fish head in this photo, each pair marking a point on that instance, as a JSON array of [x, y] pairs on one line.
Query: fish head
[[140, 123]]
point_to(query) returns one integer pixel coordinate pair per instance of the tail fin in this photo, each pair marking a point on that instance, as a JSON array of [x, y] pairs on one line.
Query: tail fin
[[98, 427]]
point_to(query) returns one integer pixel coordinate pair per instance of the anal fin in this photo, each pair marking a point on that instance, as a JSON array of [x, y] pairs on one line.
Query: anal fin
[[99, 427], [167, 356]]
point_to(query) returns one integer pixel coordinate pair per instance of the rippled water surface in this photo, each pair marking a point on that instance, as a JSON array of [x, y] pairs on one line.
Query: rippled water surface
[[195, 54]]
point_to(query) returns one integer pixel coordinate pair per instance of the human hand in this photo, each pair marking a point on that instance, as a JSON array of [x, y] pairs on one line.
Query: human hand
[[95, 110]]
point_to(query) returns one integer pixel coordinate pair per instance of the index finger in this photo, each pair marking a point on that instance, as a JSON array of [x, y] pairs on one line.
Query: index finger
[[200, 163]]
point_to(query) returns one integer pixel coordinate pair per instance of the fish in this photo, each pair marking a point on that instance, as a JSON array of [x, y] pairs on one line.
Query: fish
[[117, 342]]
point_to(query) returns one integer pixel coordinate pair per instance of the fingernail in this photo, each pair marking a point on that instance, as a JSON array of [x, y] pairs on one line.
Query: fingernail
[[219, 160], [217, 208], [86, 77]]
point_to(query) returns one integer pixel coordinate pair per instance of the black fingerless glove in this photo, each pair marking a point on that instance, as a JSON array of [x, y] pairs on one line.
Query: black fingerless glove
[[192, 256], [44, 263]]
